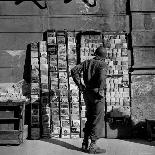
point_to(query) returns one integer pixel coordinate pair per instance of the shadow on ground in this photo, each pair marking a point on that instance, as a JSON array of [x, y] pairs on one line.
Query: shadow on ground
[[62, 144], [141, 141]]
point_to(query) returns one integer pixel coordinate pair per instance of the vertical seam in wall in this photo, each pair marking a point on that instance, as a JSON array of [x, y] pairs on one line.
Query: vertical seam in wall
[[44, 16], [47, 16]]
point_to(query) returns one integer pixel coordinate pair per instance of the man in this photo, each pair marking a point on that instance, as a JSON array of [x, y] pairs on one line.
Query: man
[[93, 89]]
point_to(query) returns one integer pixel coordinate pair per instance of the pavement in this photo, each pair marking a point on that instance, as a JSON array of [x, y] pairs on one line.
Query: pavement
[[58, 146]]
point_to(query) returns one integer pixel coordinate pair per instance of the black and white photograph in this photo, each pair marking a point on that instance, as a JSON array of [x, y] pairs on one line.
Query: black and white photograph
[[77, 77]]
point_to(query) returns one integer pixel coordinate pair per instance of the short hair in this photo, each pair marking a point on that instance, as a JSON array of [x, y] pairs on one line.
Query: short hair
[[101, 52]]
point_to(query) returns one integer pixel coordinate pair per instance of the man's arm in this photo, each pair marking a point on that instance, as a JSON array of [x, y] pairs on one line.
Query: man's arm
[[102, 79], [76, 73]]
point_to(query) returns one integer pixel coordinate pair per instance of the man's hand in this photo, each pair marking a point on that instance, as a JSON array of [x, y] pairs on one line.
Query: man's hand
[[101, 93]]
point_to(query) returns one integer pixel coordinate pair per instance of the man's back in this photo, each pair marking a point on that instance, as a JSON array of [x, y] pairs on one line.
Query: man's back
[[91, 73], [94, 73]]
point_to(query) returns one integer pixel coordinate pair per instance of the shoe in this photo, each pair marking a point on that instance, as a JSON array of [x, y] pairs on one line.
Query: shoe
[[94, 149], [85, 144]]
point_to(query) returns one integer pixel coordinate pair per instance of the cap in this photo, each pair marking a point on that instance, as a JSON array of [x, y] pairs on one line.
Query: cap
[[101, 52]]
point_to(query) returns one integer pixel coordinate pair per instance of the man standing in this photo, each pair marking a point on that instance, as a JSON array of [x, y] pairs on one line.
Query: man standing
[[93, 89]]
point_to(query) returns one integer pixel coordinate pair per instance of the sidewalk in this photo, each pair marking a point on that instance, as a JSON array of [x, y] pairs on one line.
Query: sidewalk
[[72, 147]]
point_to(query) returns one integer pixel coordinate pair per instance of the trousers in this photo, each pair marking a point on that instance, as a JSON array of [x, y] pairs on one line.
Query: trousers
[[94, 114]]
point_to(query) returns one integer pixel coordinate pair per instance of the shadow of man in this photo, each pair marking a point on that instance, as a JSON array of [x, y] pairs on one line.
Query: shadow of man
[[62, 144]]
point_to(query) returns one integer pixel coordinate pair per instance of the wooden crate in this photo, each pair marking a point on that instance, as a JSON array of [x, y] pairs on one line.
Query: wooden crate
[[12, 128]]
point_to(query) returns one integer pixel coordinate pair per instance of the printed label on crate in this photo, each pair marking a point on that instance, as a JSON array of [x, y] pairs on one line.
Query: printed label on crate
[[56, 123], [35, 89], [55, 104], [63, 92], [34, 73], [83, 121], [64, 105], [44, 79], [109, 108], [34, 46], [52, 49], [54, 83], [56, 130], [75, 99], [71, 40], [75, 136], [55, 111], [43, 62], [53, 68], [35, 79], [62, 65], [60, 39], [35, 133], [63, 86], [35, 105], [75, 111], [62, 58], [44, 87], [44, 67], [55, 135], [65, 123], [35, 66], [45, 110], [64, 117], [47, 125], [46, 131], [53, 58], [75, 123], [44, 100], [74, 92], [119, 111], [64, 99], [75, 129], [61, 49], [35, 119], [46, 119], [54, 86], [83, 113], [75, 117], [65, 136], [64, 111], [35, 110], [72, 50], [51, 40], [55, 92], [65, 131], [55, 117], [42, 46], [44, 72], [63, 77], [34, 99], [55, 99], [83, 107], [34, 54], [54, 76], [51, 34], [43, 55]]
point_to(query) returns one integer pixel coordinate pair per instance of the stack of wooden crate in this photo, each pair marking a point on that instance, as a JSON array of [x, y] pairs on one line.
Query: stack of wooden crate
[[12, 128]]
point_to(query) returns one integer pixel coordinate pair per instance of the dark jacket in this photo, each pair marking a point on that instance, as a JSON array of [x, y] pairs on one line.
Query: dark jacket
[[94, 74]]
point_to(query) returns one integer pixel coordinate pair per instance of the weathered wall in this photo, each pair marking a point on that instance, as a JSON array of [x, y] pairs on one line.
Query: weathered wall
[[143, 31], [142, 79], [25, 23]]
